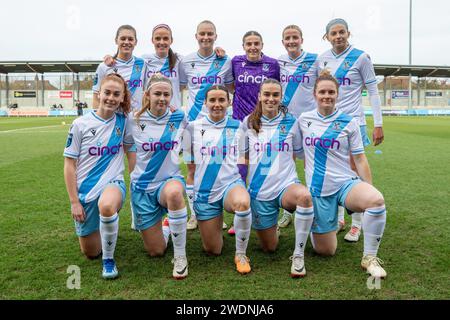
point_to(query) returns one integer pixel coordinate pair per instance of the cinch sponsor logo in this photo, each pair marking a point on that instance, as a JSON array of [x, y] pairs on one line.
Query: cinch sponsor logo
[[213, 151], [101, 151], [248, 78], [134, 83], [207, 79], [269, 147], [166, 73], [344, 81], [294, 78], [324, 143], [153, 146]]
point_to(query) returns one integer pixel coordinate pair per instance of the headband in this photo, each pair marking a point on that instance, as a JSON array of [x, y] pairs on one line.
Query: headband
[[162, 25], [335, 22]]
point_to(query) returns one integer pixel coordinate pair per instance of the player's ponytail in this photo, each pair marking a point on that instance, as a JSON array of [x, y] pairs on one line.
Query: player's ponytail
[[254, 120], [173, 57], [146, 103], [325, 75]]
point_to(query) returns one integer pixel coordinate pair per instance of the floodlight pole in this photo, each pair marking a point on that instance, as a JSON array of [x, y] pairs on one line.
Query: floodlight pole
[[410, 56]]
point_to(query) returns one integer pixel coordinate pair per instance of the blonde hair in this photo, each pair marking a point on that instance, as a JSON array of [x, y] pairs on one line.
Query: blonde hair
[[207, 22], [146, 103], [292, 26]]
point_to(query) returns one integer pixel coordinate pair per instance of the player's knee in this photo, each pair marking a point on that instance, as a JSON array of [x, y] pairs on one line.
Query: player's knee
[[269, 247], [213, 250], [91, 254], [326, 251], [107, 209], [175, 197], [155, 252], [242, 204], [304, 198], [377, 200]]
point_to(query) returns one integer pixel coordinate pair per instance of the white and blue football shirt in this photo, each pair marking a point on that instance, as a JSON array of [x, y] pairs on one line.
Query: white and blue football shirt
[[327, 144], [271, 155], [199, 74], [214, 148], [158, 142], [353, 69], [132, 71], [97, 144], [156, 64], [297, 78]]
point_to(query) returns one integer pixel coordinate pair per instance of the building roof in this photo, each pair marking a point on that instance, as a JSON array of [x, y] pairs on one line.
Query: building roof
[[90, 66], [48, 66]]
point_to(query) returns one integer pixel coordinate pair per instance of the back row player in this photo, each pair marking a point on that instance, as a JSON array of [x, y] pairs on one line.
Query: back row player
[[299, 70], [198, 72]]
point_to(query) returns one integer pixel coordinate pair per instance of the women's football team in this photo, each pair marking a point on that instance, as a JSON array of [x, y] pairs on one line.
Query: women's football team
[[301, 105]]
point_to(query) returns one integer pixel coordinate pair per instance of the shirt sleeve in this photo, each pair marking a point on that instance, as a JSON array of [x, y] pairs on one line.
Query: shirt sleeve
[[128, 137], [355, 139], [73, 142], [277, 71], [187, 144], [243, 138], [228, 76], [182, 71], [367, 71], [99, 75], [297, 140]]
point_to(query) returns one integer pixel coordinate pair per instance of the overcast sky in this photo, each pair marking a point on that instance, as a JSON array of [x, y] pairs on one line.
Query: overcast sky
[[85, 29]]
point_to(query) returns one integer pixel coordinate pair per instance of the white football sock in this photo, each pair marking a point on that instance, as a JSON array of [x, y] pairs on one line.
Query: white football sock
[[190, 197], [109, 229], [303, 221], [357, 219], [374, 221], [242, 223], [177, 224]]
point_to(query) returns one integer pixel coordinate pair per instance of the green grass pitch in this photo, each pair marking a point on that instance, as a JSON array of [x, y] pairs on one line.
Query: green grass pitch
[[38, 242]]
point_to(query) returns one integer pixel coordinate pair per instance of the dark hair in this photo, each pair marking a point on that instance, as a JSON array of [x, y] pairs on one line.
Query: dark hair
[[251, 33], [254, 120], [218, 87], [173, 57], [146, 103], [325, 75], [124, 27], [125, 106]]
